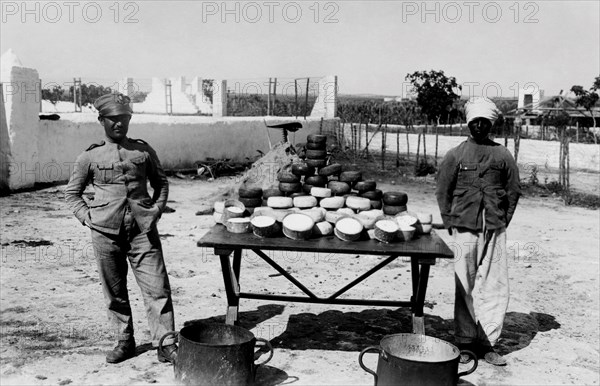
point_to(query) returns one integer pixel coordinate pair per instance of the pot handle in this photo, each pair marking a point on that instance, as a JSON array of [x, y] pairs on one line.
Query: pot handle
[[160, 344], [360, 361], [268, 345], [475, 363]]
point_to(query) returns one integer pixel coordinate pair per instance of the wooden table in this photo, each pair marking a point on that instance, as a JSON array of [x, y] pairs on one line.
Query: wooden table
[[423, 251]]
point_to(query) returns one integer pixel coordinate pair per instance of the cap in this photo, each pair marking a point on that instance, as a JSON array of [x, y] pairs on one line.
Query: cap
[[113, 104], [481, 107]]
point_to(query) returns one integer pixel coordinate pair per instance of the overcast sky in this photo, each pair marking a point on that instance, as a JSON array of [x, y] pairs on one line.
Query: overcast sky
[[369, 45]]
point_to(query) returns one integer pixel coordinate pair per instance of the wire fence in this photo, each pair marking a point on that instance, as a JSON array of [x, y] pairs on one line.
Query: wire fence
[[272, 96]]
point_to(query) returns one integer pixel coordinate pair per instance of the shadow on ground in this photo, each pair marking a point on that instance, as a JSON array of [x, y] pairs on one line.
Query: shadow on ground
[[353, 331]]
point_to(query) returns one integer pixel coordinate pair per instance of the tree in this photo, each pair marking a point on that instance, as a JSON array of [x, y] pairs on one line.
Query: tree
[[435, 96], [587, 99], [53, 94]]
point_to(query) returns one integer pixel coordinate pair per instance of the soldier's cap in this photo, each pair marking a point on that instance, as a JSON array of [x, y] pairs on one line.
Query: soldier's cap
[[481, 107], [113, 104]]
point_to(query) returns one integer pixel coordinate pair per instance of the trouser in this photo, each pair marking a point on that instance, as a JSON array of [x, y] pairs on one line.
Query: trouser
[[144, 252], [482, 293]]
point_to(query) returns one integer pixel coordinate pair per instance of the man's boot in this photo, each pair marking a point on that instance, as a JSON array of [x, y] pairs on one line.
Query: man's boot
[[124, 350]]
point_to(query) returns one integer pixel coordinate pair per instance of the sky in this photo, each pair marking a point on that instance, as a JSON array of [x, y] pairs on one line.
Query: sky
[[492, 48]]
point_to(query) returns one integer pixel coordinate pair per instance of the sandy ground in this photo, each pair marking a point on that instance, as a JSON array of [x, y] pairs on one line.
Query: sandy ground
[[53, 320]]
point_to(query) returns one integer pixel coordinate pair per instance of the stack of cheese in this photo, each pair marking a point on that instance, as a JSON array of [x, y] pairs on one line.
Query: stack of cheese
[[314, 199], [251, 197], [316, 150]]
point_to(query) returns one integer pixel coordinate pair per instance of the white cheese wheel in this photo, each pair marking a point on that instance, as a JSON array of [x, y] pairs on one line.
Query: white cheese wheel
[[425, 218], [323, 228], [346, 211], [425, 229], [406, 233], [406, 221], [386, 231], [263, 211], [374, 213], [280, 202], [280, 214], [333, 217], [219, 206], [238, 225], [233, 209], [264, 226], [367, 221], [358, 203], [317, 214], [305, 202], [320, 192], [332, 202], [298, 226], [348, 229]]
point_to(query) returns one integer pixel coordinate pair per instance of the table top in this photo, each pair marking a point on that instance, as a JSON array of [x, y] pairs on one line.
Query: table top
[[425, 246]]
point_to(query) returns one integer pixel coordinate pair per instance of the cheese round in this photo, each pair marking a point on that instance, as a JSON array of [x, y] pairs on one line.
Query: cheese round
[[320, 192], [323, 228], [406, 233], [358, 203], [304, 202], [386, 231], [280, 202], [338, 188], [332, 203], [406, 221], [264, 226], [219, 206], [317, 214], [333, 217], [348, 229], [425, 218], [298, 226], [238, 225]]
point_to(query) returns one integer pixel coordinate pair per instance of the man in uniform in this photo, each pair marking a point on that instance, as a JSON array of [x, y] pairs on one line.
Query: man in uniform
[[122, 218], [477, 192]]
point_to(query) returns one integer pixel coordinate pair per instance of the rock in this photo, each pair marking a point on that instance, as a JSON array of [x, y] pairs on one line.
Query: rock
[[204, 212]]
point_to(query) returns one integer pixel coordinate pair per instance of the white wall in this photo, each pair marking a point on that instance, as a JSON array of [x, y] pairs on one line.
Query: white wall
[[180, 141], [21, 90]]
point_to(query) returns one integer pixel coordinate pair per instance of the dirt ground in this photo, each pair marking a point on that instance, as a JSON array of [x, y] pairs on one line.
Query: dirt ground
[[53, 319]]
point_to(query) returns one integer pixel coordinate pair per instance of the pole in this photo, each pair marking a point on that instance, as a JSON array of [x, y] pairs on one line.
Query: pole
[[269, 99]]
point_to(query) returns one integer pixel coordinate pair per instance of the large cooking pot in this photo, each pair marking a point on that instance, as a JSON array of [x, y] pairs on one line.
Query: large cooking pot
[[215, 354], [414, 359]]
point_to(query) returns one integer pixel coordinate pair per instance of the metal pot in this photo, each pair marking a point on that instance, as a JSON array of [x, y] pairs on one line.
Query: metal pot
[[216, 354], [414, 359]]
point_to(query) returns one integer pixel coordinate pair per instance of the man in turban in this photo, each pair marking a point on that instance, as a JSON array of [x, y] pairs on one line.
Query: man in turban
[[122, 218], [477, 192]]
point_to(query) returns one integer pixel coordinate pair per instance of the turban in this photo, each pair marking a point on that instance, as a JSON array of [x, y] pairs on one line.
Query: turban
[[113, 104], [480, 107]]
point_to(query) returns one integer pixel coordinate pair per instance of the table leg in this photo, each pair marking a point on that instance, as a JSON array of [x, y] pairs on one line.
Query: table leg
[[419, 300], [232, 288]]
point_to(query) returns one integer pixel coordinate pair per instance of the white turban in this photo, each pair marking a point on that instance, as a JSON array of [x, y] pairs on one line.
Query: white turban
[[481, 107]]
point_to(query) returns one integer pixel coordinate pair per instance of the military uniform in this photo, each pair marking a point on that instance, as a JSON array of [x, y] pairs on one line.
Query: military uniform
[[122, 217], [477, 192]]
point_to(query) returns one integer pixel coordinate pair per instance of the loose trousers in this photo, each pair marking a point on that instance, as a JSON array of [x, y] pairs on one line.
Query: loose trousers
[[482, 292], [144, 252]]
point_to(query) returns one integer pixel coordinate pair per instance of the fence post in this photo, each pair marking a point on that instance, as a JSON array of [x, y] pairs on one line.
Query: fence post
[[219, 98]]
